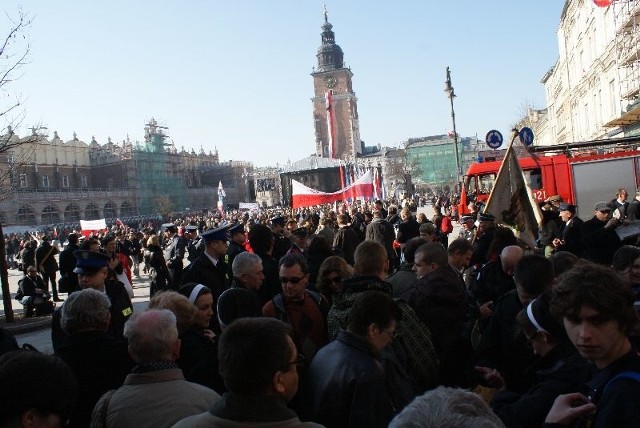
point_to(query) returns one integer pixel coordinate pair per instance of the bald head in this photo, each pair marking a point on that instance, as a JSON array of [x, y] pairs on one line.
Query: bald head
[[510, 257], [153, 336]]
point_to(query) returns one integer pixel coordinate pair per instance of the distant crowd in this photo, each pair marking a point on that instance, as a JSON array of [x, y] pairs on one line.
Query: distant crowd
[[344, 315]]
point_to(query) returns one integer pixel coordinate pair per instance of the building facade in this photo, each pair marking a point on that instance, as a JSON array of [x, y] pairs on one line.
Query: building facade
[[335, 106], [49, 181], [592, 90]]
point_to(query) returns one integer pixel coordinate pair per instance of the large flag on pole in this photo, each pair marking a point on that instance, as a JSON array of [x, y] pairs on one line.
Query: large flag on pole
[[511, 201], [221, 195], [303, 196], [329, 105]]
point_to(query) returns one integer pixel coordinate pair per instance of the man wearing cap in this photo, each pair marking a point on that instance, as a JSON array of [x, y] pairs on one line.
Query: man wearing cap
[[483, 238], [571, 231], [298, 241], [92, 269], [173, 247], [195, 244], [599, 239], [468, 230], [282, 243], [236, 244], [209, 269]]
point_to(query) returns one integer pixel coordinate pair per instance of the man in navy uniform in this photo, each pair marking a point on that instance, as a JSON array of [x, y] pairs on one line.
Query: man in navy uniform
[[236, 245], [195, 244], [173, 247], [92, 269], [209, 269]]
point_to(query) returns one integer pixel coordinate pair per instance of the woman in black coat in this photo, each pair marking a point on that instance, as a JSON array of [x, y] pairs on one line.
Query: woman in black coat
[[155, 262]]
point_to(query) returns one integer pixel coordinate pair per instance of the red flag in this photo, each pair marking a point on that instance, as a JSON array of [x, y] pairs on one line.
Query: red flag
[[55, 232], [119, 222], [603, 3]]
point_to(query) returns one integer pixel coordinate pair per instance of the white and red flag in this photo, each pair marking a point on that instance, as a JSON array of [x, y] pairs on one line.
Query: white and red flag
[[303, 196], [329, 105]]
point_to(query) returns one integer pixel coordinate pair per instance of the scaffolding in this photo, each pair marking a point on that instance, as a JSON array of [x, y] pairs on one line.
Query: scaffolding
[[160, 187], [627, 26]]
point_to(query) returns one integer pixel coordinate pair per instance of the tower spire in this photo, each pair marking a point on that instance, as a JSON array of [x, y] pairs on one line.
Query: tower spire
[[330, 55]]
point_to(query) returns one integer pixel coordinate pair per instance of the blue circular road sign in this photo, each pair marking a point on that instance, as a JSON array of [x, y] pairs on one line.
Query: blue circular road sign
[[494, 139], [526, 136]]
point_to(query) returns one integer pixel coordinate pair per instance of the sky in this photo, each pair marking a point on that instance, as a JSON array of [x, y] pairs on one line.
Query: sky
[[235, 75]]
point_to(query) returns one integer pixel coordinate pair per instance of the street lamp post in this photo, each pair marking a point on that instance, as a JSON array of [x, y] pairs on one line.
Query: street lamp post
[[450, 93]]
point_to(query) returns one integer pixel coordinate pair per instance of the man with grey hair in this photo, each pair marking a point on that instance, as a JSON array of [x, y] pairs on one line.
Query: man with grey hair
[[155, 393], [242, 299], [99, 362], [447, 407]]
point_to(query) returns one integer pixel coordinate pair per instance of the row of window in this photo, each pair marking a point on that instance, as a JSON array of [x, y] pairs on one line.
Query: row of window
[[45, 181]]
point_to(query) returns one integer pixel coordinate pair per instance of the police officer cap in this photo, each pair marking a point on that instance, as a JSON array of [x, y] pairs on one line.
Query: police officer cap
[[238, 228], [301, 232], [566, 207], [486, 217], [89, 261], [169, 226], [191, 228], [465, 218], [278, 220], [217, 234]]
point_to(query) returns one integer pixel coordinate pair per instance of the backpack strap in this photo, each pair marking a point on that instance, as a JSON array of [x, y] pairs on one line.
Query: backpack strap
[[622, 375]]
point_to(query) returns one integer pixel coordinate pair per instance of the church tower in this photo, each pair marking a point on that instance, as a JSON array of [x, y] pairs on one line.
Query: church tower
[[335, 108]]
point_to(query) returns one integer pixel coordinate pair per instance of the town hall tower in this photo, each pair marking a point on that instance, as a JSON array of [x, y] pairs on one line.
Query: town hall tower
[[335, 109]]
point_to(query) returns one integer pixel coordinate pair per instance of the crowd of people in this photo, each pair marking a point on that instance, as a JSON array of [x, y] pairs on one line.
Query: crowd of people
[[360, 315]]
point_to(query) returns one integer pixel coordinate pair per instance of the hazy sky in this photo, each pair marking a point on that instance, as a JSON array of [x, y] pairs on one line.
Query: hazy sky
[[236, 74]]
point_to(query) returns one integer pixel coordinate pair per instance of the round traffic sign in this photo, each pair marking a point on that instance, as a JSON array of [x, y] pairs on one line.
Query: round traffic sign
[[526, 136], [494, 139]]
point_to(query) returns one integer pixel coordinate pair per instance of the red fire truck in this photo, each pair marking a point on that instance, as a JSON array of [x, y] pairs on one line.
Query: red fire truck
[[582, 173]]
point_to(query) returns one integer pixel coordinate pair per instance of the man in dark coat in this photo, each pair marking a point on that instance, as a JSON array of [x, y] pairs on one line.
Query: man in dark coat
[[571, 231], [381, 231], [173, 247], [346, 385], [67, 263], [599, 239], [346, 239], [28, 255], [282, 243], [438, 296], [195, 244], [209, 269], [92, 270], [99, 362], [236, 244], [47, 265], [33, 289]]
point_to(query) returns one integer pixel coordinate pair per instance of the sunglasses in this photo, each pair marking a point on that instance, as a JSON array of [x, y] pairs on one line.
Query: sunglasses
[[285, 280]]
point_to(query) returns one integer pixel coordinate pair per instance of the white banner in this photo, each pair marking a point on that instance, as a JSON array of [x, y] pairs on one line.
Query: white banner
[[248, 206], [93, 224]]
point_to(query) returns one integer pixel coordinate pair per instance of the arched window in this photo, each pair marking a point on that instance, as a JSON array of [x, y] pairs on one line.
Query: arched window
[[110, 210], [127, 210], [72, 213], [50, 214], [26, 216], [91, 212]]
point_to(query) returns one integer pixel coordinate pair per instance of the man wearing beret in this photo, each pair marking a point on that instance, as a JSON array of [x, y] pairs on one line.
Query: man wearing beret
[[173, 247], [92, 269]]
